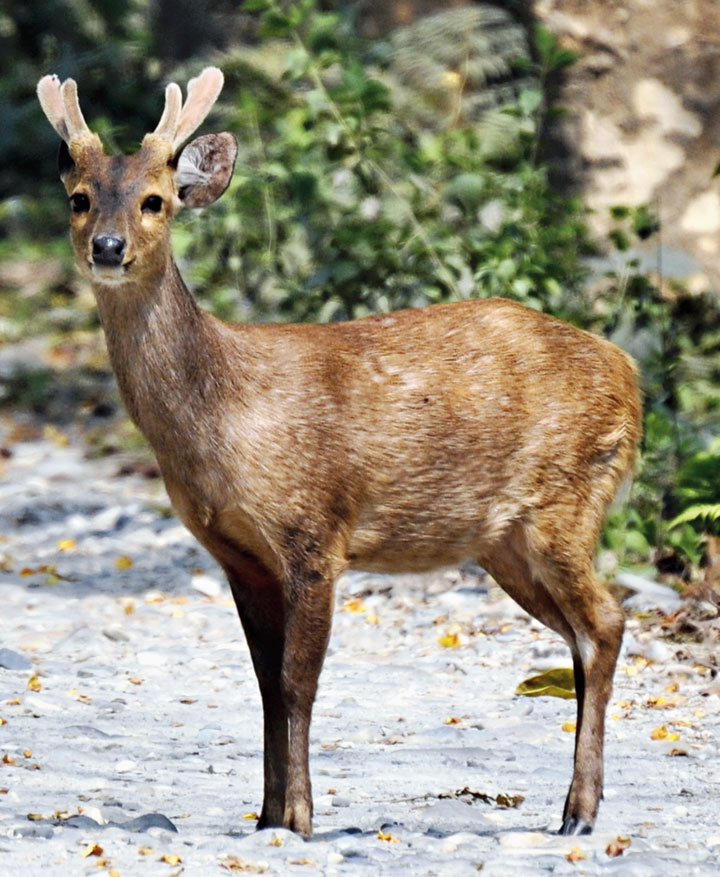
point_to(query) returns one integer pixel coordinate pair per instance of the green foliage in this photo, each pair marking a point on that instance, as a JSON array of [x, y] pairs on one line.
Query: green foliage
[[343, 206], [675, 339]]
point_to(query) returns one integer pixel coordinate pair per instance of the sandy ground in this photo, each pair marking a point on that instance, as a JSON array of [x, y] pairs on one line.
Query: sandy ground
[[130, 722]]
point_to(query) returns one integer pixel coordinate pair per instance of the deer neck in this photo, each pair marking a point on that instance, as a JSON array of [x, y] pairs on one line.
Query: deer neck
[[167, 357]]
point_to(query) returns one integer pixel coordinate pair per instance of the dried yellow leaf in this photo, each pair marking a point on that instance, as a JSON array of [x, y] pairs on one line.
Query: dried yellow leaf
[[618, 846], [53, 434], [52, 579], [449, 641], [113, 872], [27, 571], [569, 726], [35, 817], [129, 608], [14, 701], [34, 684], [66, 544], [92, 849], [276, 842], [677, 751], [386, 836], [302, 862], [171, 859], [136, 680], [672, 687], [84, 698], [146, 851], [700, 713], [3, 721], [372, 618], [102, 862], [8, 759], [27, 753], [453, 720], [576, 854], [354, 606], [662, 733], [156, 597], [123, 562], [251, 815]]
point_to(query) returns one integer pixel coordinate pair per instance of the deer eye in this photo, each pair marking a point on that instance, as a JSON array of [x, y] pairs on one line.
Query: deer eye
[[152, 204], [79, 203]]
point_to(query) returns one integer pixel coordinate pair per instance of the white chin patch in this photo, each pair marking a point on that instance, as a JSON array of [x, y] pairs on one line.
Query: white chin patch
[[108, 276]]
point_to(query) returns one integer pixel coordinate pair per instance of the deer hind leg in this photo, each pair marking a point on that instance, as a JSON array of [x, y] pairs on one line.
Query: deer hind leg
[[567, 597], [563, 562]]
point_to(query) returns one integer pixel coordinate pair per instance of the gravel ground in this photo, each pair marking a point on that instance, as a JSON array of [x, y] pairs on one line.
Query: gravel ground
[[130, 722]]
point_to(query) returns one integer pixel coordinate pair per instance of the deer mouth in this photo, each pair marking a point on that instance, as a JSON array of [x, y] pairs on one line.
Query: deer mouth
[[110, 274]]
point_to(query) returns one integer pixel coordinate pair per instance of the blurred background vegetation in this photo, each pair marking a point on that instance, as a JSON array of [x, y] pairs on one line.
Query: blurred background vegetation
[[379, 168]]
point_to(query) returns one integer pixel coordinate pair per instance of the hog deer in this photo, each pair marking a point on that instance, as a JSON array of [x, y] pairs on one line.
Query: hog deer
[[479, 430]]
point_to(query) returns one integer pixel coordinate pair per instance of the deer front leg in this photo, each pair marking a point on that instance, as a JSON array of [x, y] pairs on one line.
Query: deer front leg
[[307, 632], [259, 600]]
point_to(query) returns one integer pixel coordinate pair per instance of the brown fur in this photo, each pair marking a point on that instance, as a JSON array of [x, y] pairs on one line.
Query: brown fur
[[478, 430]]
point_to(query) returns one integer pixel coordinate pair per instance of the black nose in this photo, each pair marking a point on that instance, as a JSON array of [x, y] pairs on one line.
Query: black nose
[[108, 250]]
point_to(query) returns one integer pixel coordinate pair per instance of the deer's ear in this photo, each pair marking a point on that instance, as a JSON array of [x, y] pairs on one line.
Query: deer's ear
[[65, 161], [204, 167]]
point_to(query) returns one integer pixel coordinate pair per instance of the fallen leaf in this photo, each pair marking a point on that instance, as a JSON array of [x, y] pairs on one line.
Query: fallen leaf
[[618, 846], [387, 837], [372, 618], [92, 849], [3, 721], [558, 682], [251, 815], [171, 859], [66, 544], [34, 684], [84, 698], [302, 862], [53, 434], [27, 753], [677, 751], [237, 863], [146, 851], [576, 855], [276, 841], [35, 817], [569, 726], [14, 701], [4, 791], [453, 720], [662, 733], [354, 605], [123, 562], [135, 680], [449, 641]]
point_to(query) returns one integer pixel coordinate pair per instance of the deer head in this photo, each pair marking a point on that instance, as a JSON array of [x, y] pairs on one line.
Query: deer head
[[122, 205]]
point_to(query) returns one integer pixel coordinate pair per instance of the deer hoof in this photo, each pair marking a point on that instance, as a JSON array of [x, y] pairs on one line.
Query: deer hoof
[[575, 825]]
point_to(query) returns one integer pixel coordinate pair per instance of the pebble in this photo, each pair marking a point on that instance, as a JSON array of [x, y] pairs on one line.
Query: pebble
[[149, 720], [10, 660]]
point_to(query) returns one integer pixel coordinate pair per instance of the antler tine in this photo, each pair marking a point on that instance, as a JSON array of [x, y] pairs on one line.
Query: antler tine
[[202, 92], [167, 126], [75, 122], [48, 92]]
